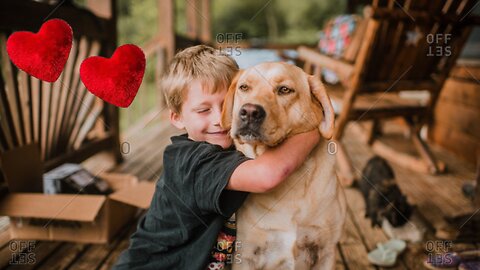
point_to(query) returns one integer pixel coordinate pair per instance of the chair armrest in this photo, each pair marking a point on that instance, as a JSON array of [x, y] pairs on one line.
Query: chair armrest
[[343, 69]]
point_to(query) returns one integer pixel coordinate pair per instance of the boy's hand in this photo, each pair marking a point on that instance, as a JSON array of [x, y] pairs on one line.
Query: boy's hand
[[310, 138], [296, 149]]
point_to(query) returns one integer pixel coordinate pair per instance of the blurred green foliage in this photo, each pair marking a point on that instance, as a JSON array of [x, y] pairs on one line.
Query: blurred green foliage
[[275, 21]]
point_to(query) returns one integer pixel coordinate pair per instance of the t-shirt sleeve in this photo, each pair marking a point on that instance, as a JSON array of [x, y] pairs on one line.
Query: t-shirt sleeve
[[213, 171]]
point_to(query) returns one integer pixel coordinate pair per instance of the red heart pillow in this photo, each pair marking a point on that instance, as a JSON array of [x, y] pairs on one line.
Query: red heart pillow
[[42, 55], [115, 80]]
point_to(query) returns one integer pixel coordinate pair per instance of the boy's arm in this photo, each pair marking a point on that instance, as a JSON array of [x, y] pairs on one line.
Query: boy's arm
[[275, 165]]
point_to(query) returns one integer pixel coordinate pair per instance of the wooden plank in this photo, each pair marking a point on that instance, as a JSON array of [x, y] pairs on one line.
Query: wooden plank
[[342, 68], [460, 92], [45, 117], [4, 237], [166, 26], [205, 29], [23, 88], [63, 257], [101, 8], [420, 16], [469, 70], [192, 18], [66, 81], [36, 111], [54, 104], [462, 118], [6, 129], [85, 109], [102, 161], [95, 255], [465, 146], [11, 110], [89, 122]]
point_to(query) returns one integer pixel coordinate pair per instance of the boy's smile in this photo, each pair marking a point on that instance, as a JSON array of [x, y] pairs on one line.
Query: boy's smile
[[201, 114]]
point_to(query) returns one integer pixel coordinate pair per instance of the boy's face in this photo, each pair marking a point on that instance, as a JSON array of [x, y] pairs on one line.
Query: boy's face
[[201, 114]]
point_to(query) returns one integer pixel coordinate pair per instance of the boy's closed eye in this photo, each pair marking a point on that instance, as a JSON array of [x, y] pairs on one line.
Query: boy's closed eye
[[204, 110]]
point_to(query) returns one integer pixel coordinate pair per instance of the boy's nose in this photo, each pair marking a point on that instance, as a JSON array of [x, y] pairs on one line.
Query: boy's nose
[[252, 113], [217, 116]]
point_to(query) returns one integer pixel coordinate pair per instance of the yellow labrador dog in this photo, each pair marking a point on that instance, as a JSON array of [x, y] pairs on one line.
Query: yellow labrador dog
[[298, 224]]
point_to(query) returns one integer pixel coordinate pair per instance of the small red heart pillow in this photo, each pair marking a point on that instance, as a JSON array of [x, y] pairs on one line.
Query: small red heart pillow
[[44, 54], [115, 80]]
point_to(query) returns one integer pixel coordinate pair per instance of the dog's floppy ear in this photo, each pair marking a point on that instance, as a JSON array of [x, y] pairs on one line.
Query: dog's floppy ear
[[227, 109], [319, 92]]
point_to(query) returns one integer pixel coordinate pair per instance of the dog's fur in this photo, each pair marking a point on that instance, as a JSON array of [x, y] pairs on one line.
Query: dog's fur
[[382, 196], [298, 224]]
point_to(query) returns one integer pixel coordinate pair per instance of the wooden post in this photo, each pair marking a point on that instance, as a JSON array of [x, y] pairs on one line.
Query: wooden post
[[191, 14], [477, 186], [166, 26], [101, 8], [161, 65], [205, 30]]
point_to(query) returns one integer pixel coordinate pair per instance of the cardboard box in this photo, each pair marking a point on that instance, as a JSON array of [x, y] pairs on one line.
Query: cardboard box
[[66, 217]]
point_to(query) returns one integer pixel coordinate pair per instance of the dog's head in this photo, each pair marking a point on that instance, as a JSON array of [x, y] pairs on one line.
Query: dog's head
[[271, 101]]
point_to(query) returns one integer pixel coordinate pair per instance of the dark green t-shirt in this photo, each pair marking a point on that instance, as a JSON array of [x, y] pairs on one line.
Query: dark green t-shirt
[[188, 208]]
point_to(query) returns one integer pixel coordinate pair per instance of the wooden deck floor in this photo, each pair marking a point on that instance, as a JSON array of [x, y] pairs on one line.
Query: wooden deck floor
[[434, 195]]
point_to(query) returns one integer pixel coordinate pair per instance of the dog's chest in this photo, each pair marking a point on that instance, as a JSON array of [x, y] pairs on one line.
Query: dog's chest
[[303, 193]]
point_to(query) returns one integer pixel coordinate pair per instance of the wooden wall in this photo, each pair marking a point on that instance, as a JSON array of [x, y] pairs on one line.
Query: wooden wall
[[456, 124]]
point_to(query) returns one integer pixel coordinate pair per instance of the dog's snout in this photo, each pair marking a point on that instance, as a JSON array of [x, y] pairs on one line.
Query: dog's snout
[[252, 113]]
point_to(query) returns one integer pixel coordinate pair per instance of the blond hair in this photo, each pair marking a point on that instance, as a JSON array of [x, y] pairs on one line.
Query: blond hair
[[214, 69]]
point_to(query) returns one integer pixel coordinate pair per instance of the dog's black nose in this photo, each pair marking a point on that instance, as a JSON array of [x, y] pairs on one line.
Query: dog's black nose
[[252, 113]]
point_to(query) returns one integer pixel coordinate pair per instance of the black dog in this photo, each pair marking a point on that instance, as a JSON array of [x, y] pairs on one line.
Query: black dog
[[382, 195]]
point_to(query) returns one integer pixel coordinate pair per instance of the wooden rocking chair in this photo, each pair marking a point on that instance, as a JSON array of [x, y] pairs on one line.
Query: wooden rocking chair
[[403, 46], [67, 122]]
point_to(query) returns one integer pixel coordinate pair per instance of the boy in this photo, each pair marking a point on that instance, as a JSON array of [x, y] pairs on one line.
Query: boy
[[205, 180]]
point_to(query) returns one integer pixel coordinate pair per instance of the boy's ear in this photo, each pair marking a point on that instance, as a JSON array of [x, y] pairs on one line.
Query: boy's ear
[[226, 121], [176, 121]]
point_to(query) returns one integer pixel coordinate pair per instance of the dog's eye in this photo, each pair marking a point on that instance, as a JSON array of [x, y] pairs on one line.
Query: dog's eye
[[282, 90], [243, 87]]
